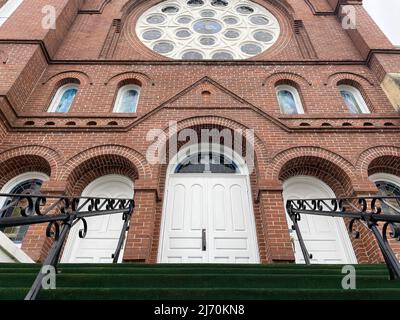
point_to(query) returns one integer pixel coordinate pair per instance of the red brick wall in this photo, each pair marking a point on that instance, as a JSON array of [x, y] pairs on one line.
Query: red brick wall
[[75, 148]]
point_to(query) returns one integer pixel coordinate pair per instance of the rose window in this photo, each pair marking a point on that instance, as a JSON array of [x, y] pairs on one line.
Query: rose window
[[208, 29]]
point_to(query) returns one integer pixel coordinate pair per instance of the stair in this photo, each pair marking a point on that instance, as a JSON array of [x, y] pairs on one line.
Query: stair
[[199, 282]]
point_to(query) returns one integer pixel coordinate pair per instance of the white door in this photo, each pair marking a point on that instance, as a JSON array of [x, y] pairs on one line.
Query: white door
[[326, 238], [103, 231], [208, 219]]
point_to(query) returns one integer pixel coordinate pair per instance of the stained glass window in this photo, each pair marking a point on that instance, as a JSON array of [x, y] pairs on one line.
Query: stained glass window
[[16, 234], [127, 100]]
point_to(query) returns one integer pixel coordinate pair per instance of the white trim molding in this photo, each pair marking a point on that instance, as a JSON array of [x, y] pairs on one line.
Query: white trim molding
[[8, 9], [357, 96], [391, 178], [295, 94]]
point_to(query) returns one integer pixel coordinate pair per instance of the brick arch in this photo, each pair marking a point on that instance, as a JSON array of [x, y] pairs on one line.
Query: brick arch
[[333, 79], [384, 159], [18, 160], [331, 168], [102, 156], [142, 78], [221, 122], [274, 78], [83, 77]]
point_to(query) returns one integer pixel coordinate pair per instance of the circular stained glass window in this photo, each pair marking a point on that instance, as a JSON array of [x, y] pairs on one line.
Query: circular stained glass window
[[208, 29]]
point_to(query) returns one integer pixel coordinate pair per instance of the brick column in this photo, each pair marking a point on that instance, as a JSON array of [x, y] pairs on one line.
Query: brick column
[[366, 248], [138, 243], [278, 243], [35, 243]]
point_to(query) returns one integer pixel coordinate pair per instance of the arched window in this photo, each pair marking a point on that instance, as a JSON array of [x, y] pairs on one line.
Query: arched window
[[7, 9], [289, 100], [207, 162], [388, 186], [28, 183], [353, 99], [127, 99], [64, 98]]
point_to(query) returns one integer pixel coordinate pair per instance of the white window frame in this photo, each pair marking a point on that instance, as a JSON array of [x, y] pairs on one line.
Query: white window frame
[[8, 9], [357, 95], [296, 95], [60, 92], [387, 177], [121, 92]]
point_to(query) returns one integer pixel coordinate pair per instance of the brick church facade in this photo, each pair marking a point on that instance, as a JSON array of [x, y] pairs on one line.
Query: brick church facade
[[95, 50]]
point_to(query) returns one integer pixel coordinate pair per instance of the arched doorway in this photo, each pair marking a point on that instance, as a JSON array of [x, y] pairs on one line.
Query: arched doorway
[[326, 238], [208, 213], [103, 231]]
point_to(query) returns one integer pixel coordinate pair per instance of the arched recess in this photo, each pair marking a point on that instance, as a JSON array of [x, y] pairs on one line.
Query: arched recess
[[251, 146], [321, 161], [208, 203], [89, 164], [332, 171], [223, 126], [326, 238], [103, 231], [17, 165], [384, 159]]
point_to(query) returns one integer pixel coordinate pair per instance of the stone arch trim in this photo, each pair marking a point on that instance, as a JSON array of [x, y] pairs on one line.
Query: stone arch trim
[[363, 80], [369, 155], [272, 79], [143, 78], [137, 160], [49, 156], [83, 77]]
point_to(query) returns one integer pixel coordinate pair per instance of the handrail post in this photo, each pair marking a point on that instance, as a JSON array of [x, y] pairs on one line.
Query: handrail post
[[51, 260], [294, 217], [127, 218], [391, 260]]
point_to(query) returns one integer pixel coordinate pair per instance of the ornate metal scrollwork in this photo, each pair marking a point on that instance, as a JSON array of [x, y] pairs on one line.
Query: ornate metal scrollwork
[[369, 211]]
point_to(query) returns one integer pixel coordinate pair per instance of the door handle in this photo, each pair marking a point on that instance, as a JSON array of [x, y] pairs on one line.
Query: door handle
[[203, 240]]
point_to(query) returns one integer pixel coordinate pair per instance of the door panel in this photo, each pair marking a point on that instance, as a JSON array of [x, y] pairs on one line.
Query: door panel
[[220, 205], [323, 236], [103, 231], [182, 239]]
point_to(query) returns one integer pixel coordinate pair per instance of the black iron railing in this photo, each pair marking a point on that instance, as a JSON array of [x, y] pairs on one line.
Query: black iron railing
[[60, 214], [381, 215]]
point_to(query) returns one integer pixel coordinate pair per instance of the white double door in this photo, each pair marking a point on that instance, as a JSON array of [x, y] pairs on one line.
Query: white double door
[[208, 218], [326, 238], [103, 231]]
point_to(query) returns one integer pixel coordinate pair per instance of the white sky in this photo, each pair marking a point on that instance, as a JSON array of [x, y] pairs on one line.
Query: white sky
[[386, 14]]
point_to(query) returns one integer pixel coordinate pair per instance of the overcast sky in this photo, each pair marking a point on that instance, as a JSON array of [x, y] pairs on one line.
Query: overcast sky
[[386, 14]]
